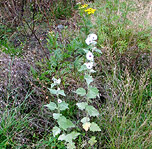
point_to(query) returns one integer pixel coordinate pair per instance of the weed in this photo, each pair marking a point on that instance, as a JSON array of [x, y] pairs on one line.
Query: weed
[[11, 126]]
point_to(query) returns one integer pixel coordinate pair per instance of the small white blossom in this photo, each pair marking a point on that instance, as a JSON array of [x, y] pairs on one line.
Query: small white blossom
[[59, 100], [89, 56], [58, 89], [92, 36], [88, 41], [89, 65], [91, 39]]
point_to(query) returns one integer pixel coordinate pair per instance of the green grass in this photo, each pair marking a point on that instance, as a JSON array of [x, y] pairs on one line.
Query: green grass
[[12, 127], [126, 117]]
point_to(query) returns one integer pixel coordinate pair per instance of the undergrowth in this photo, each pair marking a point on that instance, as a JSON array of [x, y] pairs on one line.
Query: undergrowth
[[101, 82]]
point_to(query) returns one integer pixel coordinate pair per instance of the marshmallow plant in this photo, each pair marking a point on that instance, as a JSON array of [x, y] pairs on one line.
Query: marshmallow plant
[[64, 124], [91, 92]]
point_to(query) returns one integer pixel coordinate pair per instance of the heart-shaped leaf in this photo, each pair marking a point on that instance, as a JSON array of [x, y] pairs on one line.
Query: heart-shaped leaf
[[92, 141], [63, 106], [92, 111], [94, 127], [56, 130], [92, 92], [51, 106], [61, 92], [69, 137], [88, 79], [53, 91], [56, 115], [65, 123], [85, 119], [82, 105], [81, 91]]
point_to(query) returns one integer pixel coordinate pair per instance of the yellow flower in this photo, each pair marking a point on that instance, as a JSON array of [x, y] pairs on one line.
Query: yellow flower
[[90, 10], [83, 6]]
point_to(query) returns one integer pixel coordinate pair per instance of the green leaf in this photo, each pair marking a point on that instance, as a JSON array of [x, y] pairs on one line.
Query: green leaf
[[71, 136], [56, 130], [65, 123], [68, 137], [63, 106], [85, 119], [62, 137], [92, 71], [61, 92], [51, 106], [97, 50], [92, 141], [83, 67], [53, 91], [82, 105], [86, 51], [71, 146], [56, 115], [57, 92], [52, 85], [88, 79], [81, 91], [92, 92], [92, 111], [94, 127]]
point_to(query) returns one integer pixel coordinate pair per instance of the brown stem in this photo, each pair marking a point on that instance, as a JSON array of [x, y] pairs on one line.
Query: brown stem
[[33, 32], [44, 13]]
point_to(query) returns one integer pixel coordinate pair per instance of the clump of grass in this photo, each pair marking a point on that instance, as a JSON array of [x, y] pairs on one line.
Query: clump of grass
[[116, 29], [126, 117], [13, 127]]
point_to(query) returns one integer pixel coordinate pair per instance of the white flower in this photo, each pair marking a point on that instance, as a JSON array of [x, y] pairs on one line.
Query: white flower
[[92, 36], [91, 39], [89, 56], [56, 81], [88, 41], [89, 65], [59, 100], [58, 89]]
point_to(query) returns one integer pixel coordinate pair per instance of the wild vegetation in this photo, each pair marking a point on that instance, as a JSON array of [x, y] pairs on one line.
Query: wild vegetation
[[76, 74]]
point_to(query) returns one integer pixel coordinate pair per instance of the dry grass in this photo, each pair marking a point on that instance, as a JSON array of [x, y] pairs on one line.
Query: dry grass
[[143, 13]]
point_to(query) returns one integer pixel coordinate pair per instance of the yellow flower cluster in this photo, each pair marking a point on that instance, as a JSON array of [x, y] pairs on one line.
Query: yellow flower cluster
[[90, 10], [83, 6]]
